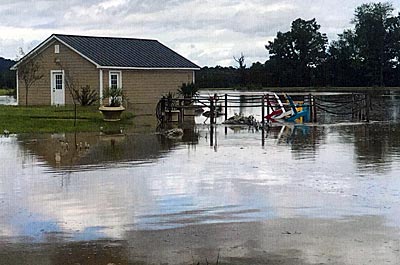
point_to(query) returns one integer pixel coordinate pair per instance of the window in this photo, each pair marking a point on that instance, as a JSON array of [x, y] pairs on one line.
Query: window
[[56, 48], [59, 81], [115, 79]]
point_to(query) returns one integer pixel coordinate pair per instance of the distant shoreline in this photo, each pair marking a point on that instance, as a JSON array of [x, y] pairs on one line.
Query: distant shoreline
[[385, 90]]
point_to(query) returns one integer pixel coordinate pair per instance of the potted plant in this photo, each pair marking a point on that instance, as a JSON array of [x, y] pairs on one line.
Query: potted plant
[[112, 111], [188, 91]]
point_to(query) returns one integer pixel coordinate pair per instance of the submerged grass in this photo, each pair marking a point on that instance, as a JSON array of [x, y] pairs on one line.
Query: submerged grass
[[51, 119]]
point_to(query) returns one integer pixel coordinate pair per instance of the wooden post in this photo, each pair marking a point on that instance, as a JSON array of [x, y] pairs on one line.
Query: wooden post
[[268, 104], [226, 106], [215, 107], [212, 109], [263, 118], [169, 108], [310, 109], [367, 100], [183, 109], [163, 109], [211, 134], [263, 111], [180, 110], [314, 109]]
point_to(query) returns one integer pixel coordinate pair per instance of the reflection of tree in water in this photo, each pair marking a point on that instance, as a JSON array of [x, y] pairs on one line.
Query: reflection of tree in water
[[375, 143], [303, 140]]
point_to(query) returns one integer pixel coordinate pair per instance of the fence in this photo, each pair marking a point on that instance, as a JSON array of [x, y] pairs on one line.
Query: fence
[[170, 109]]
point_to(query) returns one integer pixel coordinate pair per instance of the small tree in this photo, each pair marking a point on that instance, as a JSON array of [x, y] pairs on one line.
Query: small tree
[[72, 85], [242, 68], [29, 73]]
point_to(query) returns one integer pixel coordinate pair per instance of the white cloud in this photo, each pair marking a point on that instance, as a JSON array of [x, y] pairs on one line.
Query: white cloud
[[207, 32]]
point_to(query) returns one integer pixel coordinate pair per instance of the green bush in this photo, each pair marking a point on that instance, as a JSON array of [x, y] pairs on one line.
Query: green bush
[[85, 96], [188, 90]]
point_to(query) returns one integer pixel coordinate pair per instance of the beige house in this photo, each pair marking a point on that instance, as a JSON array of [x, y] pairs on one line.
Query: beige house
[[145, 69]]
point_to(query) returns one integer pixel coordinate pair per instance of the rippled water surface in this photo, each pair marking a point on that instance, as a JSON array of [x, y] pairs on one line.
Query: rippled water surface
[[88, 186]]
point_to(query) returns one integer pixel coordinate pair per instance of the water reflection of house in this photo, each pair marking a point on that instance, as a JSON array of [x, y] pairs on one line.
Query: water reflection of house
[[97, 149]]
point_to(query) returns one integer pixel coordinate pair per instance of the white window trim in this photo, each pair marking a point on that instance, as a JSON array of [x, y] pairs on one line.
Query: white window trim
[[52, 81], [56, 48], [120, 78]]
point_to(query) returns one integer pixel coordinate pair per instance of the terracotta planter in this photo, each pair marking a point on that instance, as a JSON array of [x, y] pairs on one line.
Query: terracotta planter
[[111, 113]]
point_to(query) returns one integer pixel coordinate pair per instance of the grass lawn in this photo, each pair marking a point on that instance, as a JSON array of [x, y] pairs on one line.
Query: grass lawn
[[20, 119]]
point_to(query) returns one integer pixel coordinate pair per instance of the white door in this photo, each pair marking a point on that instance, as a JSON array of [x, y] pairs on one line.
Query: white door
[[57, 88]]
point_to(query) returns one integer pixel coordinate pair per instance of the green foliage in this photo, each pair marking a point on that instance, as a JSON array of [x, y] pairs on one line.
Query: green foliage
[[300, 50], [115, 95], [377, 38], [368, 55], [38, 119], [85, 95], [188, 90], [170, 95], [7, 77]]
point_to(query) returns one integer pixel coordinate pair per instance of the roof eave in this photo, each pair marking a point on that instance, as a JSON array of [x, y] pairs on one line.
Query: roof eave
[[29, 54], [43, 44], [148, 68]]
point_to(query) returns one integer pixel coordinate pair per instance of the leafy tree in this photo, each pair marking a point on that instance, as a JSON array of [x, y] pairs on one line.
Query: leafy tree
[[377, 36], [7, 77], [344, 62], [299, 51]]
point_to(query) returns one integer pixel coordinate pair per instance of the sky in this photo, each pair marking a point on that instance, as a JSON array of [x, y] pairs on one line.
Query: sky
[[208, 32]]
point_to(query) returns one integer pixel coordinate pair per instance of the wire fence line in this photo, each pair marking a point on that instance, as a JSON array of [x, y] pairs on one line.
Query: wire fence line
[[348, 104]]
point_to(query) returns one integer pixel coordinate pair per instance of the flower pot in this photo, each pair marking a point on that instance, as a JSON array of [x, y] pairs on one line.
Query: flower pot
[[111, 113]]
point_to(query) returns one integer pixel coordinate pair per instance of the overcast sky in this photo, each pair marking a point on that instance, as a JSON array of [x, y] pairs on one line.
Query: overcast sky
[[208, 32]]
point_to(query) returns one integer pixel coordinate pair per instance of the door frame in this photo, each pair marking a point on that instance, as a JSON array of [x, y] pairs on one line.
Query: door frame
[[52, 73]]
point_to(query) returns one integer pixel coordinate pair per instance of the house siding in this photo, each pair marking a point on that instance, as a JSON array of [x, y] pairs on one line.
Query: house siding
[[144, 88], [81, 71]]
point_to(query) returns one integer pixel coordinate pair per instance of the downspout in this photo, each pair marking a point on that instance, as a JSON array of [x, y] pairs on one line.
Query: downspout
[[17, 88], [101, 86]]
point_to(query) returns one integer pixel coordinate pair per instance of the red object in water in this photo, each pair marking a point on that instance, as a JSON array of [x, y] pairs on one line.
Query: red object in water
[[270, 116]]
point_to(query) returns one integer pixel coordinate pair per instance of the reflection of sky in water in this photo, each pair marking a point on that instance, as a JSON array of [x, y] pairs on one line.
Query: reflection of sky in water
[[316, 175], [316, 171], [8, 100]]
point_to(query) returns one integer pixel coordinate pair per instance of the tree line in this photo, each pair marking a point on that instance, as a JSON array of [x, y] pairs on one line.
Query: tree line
[[7, 77], [367, 55]]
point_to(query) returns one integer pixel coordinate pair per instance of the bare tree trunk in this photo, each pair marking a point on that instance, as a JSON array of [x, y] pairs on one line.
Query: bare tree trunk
[[26, 96], [75, 114]]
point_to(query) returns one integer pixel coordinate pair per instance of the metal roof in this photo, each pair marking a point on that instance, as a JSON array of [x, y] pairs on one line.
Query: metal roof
[[123, 52]]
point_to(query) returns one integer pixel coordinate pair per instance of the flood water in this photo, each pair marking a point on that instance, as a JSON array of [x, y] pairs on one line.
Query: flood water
[[103, 186], [8, 100]]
